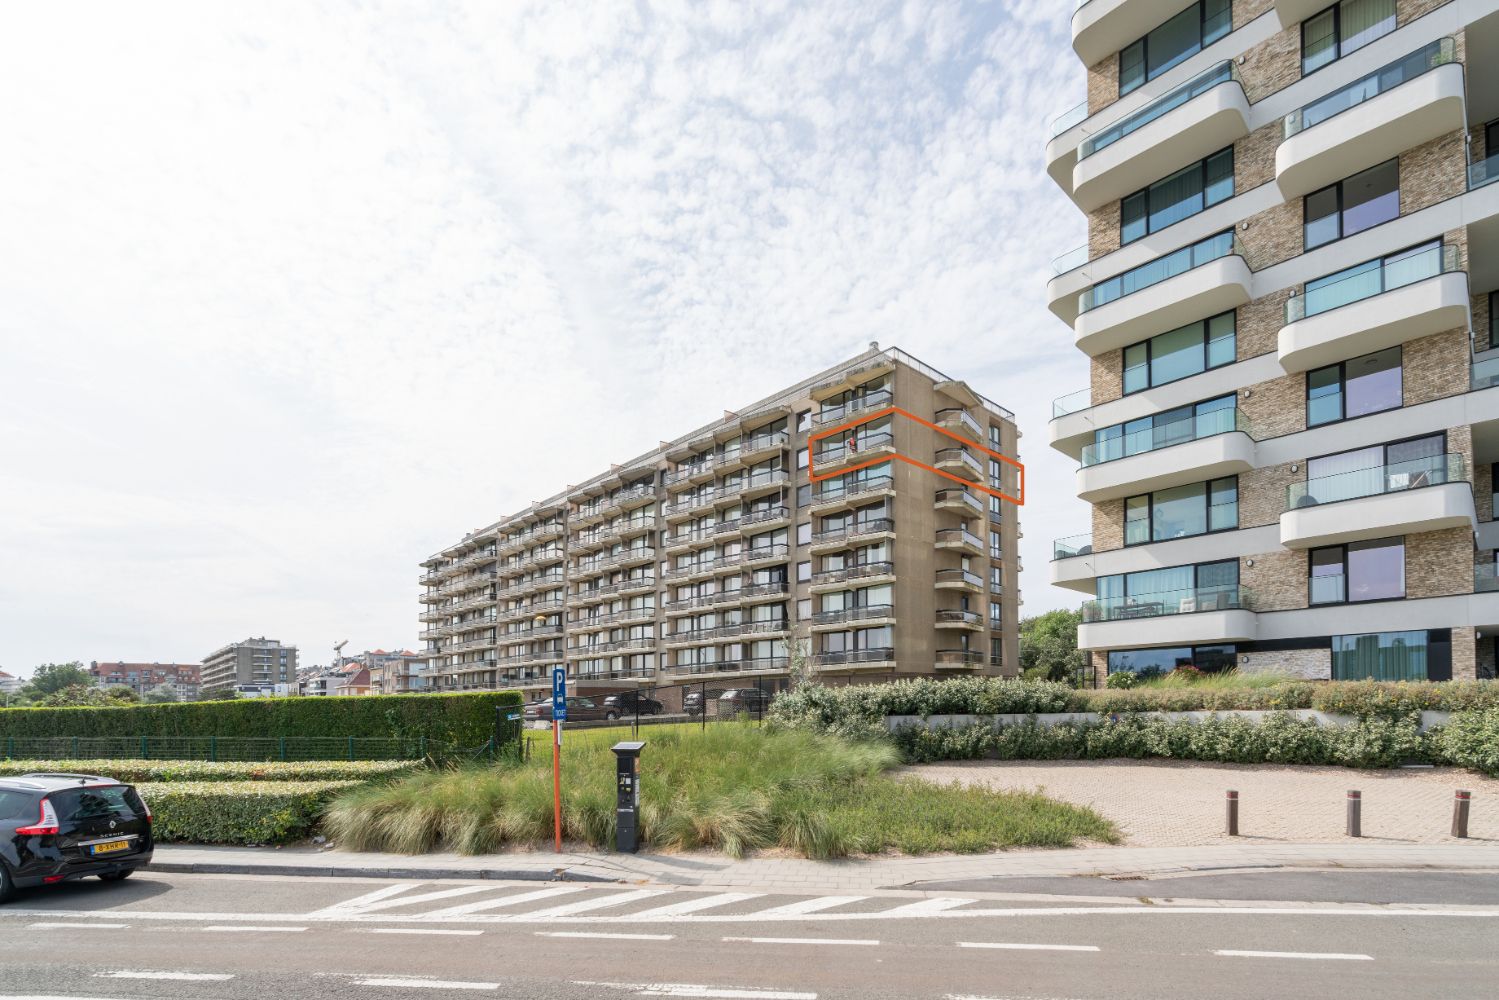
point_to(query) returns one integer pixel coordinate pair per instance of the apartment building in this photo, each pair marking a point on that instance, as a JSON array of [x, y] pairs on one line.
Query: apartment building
[[142, 677], [715, 554], [251, 666], [1286, 299]]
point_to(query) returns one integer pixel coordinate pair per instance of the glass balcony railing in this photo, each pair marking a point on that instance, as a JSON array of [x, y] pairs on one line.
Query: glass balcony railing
[[1071, 403], [1483, 172], [1381, 81], [1223, 72], [1070, 261], [1485, 374], [1073, 545], [1375, 277], [1485, 578], [1156, 271], [1432, 470], [1193, 428], [1186, 600], [1067, 119]]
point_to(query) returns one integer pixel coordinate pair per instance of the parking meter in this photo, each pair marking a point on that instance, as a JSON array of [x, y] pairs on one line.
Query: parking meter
[[627, 803]]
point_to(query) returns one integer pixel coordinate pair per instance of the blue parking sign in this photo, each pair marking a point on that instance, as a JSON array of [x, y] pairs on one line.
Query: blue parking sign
[[559, 693]]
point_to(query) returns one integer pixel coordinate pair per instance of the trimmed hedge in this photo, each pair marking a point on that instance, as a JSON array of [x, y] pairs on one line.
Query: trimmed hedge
[[135, 772], [458, 719], [1470, 739], [238, 812]]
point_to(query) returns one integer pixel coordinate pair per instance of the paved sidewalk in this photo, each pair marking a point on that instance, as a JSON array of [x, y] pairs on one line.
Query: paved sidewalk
[[799, 875]]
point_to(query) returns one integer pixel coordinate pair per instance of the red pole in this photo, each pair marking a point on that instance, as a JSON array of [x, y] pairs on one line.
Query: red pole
[[557, 784]]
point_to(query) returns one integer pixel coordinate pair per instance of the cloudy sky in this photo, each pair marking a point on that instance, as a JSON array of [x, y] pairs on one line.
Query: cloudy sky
[[294, 294]]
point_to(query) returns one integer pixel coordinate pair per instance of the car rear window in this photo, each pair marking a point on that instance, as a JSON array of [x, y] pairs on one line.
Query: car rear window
[[102, 801], [14, 804]]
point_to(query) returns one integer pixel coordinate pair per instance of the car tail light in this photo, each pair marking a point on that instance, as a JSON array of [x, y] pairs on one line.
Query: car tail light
[[144, 806], [46, 821]]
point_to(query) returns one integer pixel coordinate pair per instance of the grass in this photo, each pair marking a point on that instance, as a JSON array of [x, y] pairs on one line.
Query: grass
[[732, 787]]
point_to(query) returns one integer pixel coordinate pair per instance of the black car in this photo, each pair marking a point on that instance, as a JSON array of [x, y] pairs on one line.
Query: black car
[[736, 700], [692, 701], [633, 703], [55, 827]]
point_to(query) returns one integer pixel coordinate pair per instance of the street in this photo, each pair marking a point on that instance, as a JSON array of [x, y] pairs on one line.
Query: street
[[202, 937]]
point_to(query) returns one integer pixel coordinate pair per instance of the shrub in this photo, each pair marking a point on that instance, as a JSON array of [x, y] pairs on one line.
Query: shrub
[[1470, 739], [461, 719], [137, 771], [1120, 679], [238, 812]]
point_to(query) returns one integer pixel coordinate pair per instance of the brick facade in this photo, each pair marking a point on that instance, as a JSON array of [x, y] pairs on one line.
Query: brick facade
[[1464, 654], [1276, 581], [1439, 563], [1433, 172], [1106, 377], [1303, 664], [1435, 367], [1276, 407]]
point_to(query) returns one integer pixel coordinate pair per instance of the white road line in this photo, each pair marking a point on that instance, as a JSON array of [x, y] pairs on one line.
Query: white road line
[[867, 942], [605, 935], [1022, 946], [428, 984], [48, 926], [384, 892], [699, 903], [495, 904], [927, 907], [807, 906], [597, 903], [252, 929], [190, 977], [420, 930], [1331, 955], [689, 990], [390, 903]]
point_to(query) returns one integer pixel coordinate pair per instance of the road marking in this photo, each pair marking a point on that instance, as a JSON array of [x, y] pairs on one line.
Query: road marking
[[693, 905], [927, 907], [597, 903], [367, 904], [429, 984], [804, 906], [420, 930], [384, 892], [1332, 955], [495, 904], [688, 990], [1021, 946], [48, 926], [777, 940], [237, 928], [190, 977], [606, 935]]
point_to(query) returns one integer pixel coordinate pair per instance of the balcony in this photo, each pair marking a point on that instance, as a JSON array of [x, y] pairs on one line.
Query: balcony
[[1196, 119], [595, 622], [1398, 107], [830, 579], [587, 541], [969, 621], [1424, 494], [715, 600], [959, 461], [1379, 304], [763, 445], [694, 536], [1206, 278], [835, 538], [881, 658], [765, 517], [959, 540], [1171, 618], [959, 659], [959, 579], [430, 579], [683, 507], [1102, 27], [631, 498], [874, 614], [623, 588], [843, 412], [755, 555], [692, 472], [703, 567], [768, 480], [751, 665], [956, 419], [1202, 446], [838, 493], [633, 556], [834, 453], [958, 500]]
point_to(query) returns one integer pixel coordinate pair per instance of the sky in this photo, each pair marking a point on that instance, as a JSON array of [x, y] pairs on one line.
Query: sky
[[292, 295]]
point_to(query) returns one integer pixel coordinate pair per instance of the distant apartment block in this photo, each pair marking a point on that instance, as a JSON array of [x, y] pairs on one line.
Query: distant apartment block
[[185, 678], [708, 557], [10, 684], [253, 666], [1287, 300]]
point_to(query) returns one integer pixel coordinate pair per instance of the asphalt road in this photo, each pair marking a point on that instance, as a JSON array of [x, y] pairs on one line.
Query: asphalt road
[[208, 937]]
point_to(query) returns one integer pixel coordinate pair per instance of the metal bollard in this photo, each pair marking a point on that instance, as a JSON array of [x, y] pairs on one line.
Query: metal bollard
[[1355, 809], [1460, 802], [1231, 808]]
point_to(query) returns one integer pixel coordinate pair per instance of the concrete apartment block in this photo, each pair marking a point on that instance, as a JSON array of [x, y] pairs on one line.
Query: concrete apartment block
[[252, 663]]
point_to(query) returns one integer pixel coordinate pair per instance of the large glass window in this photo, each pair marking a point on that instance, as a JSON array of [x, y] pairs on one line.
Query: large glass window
[[1161, 430], [1379, 656], [1179, 353], [1177, 39], [1354, 388], [1353, 204], [1208, 659], [1372, 570], [1382, 468], [1343, 28], [1176, 590], [1182, 511], [1183, 194]]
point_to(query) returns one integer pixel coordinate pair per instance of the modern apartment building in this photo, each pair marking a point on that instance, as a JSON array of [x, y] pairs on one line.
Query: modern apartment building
[[1287, 302], [709, 556], [260, 664], [142, 677]]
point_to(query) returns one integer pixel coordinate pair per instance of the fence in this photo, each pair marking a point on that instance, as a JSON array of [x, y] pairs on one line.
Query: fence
[[211, 748]]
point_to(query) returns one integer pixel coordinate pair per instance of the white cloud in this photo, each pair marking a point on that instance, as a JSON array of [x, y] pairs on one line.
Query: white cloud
[[294, 294]]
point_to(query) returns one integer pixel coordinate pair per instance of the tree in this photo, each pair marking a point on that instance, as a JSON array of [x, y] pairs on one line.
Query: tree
[[1048, 646], [76, 695], [50, 678], [162, 694], [799, 664]]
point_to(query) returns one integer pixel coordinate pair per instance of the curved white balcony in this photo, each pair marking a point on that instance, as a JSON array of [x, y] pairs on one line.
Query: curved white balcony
[[1424, 494], [1103, 27], [1320, 150], [1293, 12], [1201, 116], [1201, 628], [1220, 283], [1221, 454]]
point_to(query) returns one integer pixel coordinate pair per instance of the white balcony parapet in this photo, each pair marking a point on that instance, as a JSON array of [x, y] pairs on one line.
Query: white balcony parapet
[[1102, 27], [1397, 107], [1424, 494], [1199, 447]]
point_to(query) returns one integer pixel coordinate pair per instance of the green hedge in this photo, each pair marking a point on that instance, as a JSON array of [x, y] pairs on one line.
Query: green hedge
[[466, 720], [137, 771], [238, 812], [1470, 739]]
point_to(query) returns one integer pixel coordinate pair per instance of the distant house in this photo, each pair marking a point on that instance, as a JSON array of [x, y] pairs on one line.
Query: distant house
[[10, 684], [185, 678]]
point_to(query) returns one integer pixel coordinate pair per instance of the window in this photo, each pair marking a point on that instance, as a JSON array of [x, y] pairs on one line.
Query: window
[[803, 572], [1352, 205], [1382, 468], [996, 440], [996, 614], [996, 580], [996, 652], [996, 508], [1177, 590], [1162, 430], [804, 609], [802, 458], [1174, 41], [1179, 353], [804, 533], [804, 420], [1380, 656], [1373, 570], [996, 545], [1369, 384], [804, 494], [1180, 196], [1182, 511], [1343, 28], [1208, 659]]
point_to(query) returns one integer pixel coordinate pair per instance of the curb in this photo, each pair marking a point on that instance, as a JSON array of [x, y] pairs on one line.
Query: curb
[[511, 875]]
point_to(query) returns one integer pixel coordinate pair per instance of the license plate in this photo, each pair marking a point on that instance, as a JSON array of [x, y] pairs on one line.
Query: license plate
[[110, 848]]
